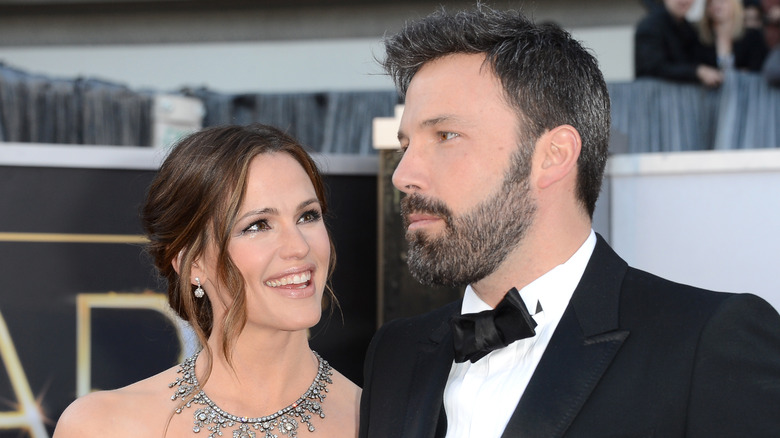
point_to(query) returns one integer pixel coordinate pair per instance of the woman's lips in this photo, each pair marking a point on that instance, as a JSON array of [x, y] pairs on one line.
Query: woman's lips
[[298, 280], [296, 286]]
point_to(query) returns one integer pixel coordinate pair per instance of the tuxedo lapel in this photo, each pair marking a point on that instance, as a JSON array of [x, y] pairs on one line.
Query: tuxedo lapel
[[429, 377], [582, 347]]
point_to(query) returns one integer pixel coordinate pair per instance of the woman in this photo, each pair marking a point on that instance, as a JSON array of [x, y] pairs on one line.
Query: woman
[[666, 46], [728, 43], [235, 224]]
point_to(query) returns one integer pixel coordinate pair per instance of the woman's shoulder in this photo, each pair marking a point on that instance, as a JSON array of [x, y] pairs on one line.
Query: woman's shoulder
[[346, 389], [141, 408], [341, 408]]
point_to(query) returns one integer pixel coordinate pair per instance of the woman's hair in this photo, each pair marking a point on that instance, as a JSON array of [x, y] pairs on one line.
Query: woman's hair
[[193, 202], [707, 27]]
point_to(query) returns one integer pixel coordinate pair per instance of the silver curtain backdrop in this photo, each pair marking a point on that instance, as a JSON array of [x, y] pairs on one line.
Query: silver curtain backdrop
[[648, 115]]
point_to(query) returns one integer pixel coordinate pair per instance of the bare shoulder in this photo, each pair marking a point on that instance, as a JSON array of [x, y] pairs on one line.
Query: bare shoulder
[[341, 408], [116, 412], [82, 418], [345, 387]]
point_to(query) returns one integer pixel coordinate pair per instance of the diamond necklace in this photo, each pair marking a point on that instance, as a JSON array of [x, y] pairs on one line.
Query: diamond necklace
[[285, 420]]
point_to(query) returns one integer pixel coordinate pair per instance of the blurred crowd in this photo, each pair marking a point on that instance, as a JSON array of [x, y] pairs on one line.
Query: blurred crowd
[[730, 35]]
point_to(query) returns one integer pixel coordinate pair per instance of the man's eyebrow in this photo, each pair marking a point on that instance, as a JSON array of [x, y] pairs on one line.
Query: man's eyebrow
[[437, 120], [427, 123]]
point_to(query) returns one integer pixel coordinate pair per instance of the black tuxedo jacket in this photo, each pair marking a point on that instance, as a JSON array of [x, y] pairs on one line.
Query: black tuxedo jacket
[[634, 355]]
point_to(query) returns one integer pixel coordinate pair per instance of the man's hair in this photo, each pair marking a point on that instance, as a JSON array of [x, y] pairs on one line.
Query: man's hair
[[549, 78]]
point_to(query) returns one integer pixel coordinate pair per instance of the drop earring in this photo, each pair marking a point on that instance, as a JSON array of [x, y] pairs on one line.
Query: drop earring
[[199, 290]]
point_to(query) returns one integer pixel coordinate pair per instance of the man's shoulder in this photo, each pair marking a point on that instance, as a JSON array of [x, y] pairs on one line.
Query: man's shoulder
[[414, 326], [643, 280], [646, 294], [633, 281], [397, 340], [675, 298]]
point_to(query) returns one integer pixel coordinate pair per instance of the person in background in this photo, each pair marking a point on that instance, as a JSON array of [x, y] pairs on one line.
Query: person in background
[[667, 46], [771, 69], [771, 9], [235, 222], [729, 43], [754, 15], [504, 139]]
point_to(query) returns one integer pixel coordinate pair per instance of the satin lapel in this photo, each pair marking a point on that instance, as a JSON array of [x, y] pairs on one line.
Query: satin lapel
[[582, 347], [434, 360]]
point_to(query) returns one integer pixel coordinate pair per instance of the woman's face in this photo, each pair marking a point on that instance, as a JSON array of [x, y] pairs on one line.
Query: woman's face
[[720, 10], [280, 246]]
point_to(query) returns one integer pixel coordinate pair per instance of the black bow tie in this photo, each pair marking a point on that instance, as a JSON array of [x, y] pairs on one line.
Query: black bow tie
[[477, 334]]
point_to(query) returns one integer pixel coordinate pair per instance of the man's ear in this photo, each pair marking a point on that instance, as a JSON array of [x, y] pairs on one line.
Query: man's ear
[[559, 149]]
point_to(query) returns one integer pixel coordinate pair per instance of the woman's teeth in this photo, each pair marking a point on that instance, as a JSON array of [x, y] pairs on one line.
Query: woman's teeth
[[301, 278]]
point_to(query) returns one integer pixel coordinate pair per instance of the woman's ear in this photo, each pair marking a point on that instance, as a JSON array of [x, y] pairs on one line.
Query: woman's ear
[[176, 262], [560, 150], [195, 270]]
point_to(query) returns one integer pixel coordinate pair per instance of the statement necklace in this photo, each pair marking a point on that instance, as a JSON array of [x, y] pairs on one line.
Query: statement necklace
[[285, 420]]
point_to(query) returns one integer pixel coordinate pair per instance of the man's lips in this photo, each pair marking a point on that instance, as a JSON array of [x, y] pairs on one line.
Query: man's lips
[[419, 220]]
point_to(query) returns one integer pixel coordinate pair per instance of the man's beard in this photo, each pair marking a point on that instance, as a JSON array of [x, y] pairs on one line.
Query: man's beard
[[472, 246]]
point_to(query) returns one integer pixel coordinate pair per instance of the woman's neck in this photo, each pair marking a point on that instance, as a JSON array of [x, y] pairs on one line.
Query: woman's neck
[[266, 372], [723, 41]]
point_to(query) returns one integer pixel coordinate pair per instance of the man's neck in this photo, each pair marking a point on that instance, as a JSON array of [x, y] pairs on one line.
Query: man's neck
[[531, 259]]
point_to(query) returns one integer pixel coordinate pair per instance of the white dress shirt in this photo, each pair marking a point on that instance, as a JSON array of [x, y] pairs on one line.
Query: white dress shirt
[[480, 397]]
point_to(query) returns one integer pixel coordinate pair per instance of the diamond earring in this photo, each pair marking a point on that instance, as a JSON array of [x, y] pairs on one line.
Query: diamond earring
[[199, 290]]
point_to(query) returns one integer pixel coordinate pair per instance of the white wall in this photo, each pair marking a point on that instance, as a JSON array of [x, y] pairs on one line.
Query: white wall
[[614, 49], [294, 66], [709, 219], [287, 66]]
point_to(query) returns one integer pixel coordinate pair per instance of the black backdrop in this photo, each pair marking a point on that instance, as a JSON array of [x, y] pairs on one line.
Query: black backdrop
[[40, 279]]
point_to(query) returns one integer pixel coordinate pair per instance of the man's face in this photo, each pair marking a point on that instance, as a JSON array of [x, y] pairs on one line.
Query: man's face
[[465, 175], [678, 8]]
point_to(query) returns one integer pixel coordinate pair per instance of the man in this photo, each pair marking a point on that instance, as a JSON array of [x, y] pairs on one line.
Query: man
[[505, 135], [667, 46]]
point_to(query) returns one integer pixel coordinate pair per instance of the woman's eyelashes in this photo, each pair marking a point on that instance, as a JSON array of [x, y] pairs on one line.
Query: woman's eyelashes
[[260, 225], [256, 226], [310, 216]]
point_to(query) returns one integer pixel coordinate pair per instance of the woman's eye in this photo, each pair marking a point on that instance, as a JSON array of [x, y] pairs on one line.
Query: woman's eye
[[310, 216], [446, 135], [254, 227]]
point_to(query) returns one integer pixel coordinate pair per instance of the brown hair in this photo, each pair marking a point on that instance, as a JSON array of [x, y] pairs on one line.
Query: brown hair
[[193, 202]]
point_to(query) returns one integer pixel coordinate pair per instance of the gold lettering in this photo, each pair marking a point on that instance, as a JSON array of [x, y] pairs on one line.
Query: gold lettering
[[72, 238], [28, 414], [84, 305]]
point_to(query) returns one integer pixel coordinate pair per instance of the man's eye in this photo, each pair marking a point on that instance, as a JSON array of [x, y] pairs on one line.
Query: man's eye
[[443, 136]]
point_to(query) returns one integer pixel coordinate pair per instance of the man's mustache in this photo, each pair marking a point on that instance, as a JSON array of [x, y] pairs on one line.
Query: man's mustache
[[418, 204]]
